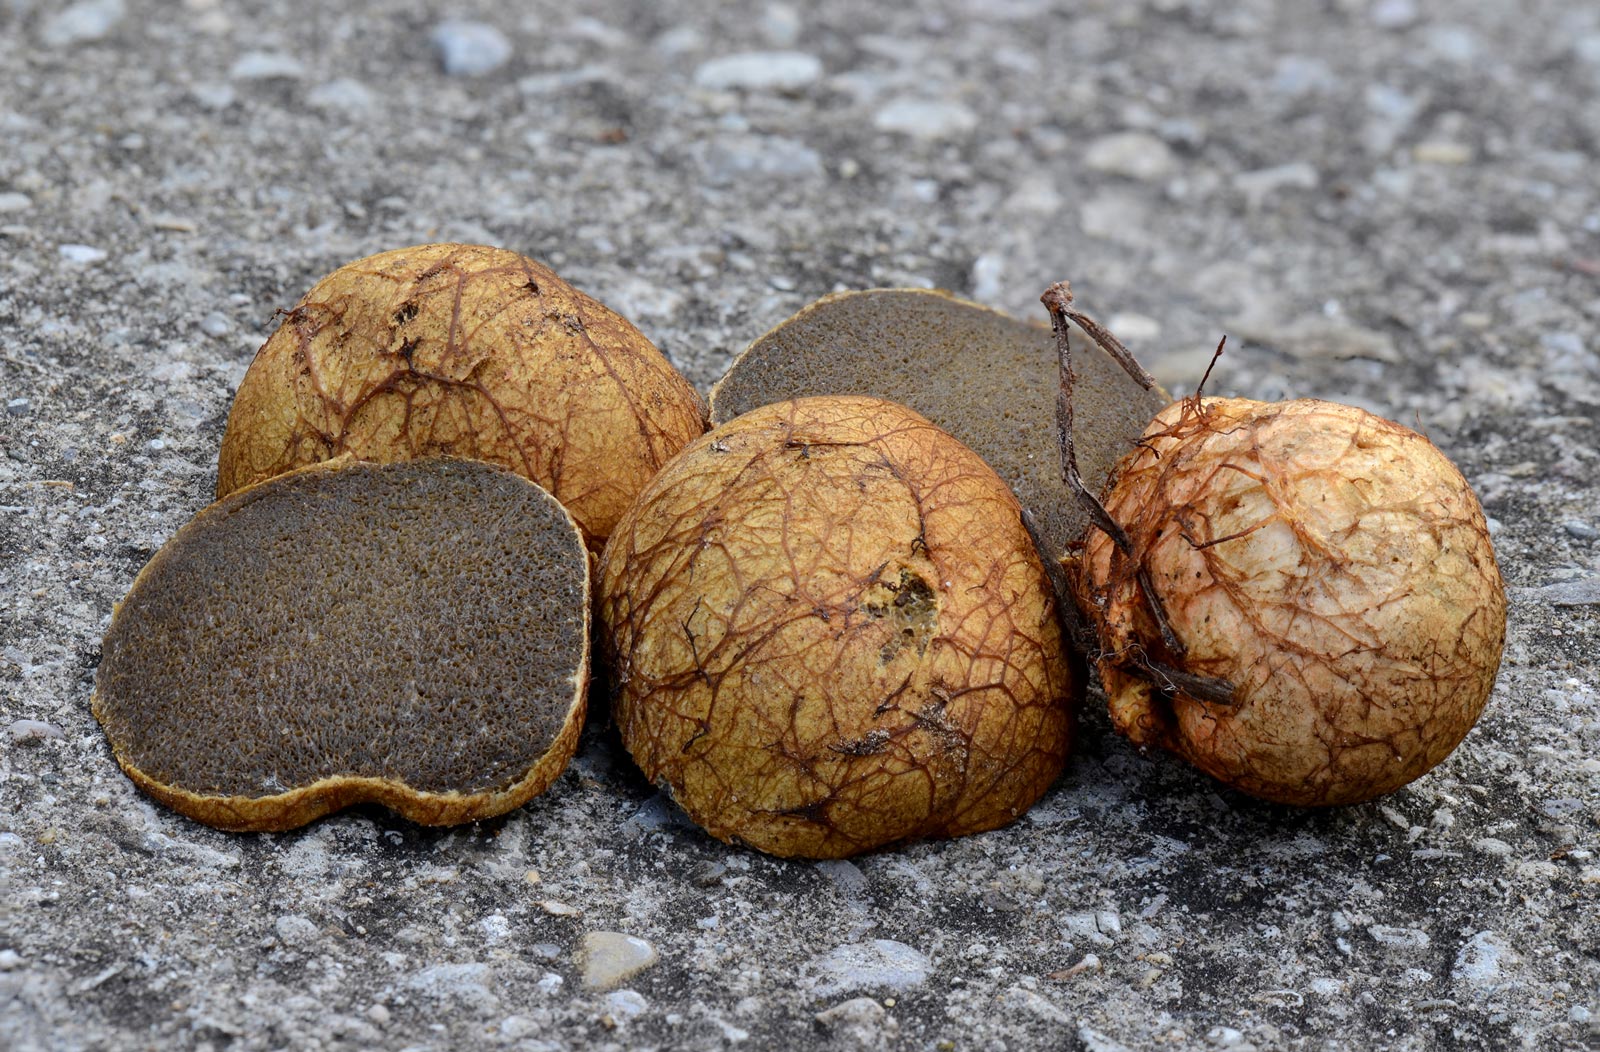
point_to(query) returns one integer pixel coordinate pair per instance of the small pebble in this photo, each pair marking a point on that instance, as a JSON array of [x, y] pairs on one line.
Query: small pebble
[[1442, 152], [465, 984], [609, 958], [1399, 938], [517, 1027], [622, 1005], [495, 927], [1393, 14], [1297, 75], [216, 324], [925, 118], [294, 930], [881, 964], [1259, 185], [707, 873], [213, 96], [10, 960], [266, 65], [1587, 48], [783, 71], [1580, 530], [1133, 155], [82, 23], [83, 255], [469, 49], [987, 270], [780, 25], [31, 732], [344, 94], [1135, 329], [559, 909], [1452, 43], [18, 406], [860, 1023], [1480, 958], [734, 159], [378, 1014], [11, 201]]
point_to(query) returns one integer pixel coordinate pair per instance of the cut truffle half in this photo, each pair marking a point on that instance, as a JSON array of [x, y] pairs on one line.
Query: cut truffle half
[[986, 378], [412, 634]]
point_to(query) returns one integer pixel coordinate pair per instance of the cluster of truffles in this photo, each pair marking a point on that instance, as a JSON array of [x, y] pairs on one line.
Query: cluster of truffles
[[853, 613], [390, 601]]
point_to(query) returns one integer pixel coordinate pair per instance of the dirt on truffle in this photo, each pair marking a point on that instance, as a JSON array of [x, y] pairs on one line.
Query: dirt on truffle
[[830, 631]]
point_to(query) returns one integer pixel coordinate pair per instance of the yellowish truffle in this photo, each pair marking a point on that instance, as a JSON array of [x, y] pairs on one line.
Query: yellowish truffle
[[468, 351], [1332, 568], [829, 631]]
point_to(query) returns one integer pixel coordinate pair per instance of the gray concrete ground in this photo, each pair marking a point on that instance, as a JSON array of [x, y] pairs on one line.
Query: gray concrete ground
[[1391, 203]]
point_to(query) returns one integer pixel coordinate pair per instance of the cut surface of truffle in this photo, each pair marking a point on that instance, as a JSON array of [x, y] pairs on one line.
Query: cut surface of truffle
[[413, 634], [468, 351], [830, 631], [988, 379]]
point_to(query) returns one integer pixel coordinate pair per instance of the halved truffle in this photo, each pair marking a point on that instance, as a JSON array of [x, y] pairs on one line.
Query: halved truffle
[[468, 351], [988, 379], [414, 634]]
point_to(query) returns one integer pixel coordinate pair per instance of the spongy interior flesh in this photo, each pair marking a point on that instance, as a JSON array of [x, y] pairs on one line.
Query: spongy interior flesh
[[423, 623]]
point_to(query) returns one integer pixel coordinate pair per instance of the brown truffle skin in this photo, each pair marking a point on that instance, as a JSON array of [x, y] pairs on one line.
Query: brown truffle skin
[[830, 632], [1333, 566], [468, 351], [413, 634]]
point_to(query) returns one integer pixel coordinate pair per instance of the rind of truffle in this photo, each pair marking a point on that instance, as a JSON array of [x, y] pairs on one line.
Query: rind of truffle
[[986, 378], [468, 351], [1331, 565], [830, 631], [413, 634]]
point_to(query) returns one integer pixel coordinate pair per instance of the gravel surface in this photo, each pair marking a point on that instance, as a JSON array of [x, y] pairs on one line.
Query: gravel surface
[[1391, 203]]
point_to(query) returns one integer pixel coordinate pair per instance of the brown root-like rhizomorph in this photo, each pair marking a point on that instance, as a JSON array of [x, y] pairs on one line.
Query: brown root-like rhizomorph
[[829, 631], [468, 351], [1299, 598]]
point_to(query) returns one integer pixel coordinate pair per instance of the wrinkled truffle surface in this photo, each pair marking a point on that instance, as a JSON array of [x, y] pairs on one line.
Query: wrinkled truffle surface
[[413, 634], [1331, 565], [830, 631], [469, 351]]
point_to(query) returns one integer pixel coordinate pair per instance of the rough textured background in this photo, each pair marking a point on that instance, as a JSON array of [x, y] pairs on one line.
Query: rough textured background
[[1378, 204]]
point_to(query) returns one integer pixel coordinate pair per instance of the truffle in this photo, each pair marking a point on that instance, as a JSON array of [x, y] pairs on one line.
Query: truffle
[[830, 631], [412, 634], [469, 351], [986, 378], [1330, 571]]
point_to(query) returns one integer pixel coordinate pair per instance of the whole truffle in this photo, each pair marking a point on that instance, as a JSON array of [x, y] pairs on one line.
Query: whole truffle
[[1330, 569], [469, 351], [830, 631]]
